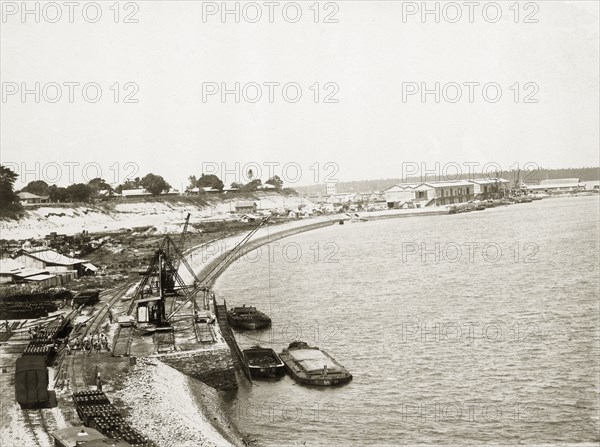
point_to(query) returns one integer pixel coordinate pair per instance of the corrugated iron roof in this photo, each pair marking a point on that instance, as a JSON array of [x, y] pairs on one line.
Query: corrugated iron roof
[[26, 272], [28, 195], [9, 266], [41, 277], [53, 257]]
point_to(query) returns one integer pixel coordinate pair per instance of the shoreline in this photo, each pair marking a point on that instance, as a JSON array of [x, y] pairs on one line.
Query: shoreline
[[278, 231], [218, 419]]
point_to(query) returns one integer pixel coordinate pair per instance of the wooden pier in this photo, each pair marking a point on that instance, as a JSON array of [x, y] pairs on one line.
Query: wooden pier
[[236, 352]]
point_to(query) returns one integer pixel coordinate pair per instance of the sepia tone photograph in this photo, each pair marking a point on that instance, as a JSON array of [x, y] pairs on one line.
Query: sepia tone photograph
[[299, 223]]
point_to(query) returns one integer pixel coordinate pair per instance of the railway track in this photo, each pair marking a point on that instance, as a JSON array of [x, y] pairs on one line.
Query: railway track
[[95, 322], [76, 373], [37, 425]]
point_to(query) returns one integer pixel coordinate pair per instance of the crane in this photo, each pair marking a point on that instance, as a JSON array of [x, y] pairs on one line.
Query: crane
[[164, 266]]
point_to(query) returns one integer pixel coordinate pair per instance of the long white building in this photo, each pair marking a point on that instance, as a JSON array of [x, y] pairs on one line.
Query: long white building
[[442, 193]]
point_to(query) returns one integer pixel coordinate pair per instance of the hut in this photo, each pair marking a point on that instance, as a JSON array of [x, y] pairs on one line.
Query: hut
[[76, 436]]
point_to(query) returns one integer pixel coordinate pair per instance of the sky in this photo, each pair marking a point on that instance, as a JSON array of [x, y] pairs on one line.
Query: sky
[[341, 89]]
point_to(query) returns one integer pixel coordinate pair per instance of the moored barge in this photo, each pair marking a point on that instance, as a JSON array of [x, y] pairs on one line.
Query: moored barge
[[263, 362], [312, 366], [247, 317]]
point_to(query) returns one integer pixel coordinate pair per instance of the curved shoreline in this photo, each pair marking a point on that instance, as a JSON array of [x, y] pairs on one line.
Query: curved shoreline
[[226, 426], [279, 231]]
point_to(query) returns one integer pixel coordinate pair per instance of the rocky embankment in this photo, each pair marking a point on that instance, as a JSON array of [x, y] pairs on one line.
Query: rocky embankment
[[174, 410]]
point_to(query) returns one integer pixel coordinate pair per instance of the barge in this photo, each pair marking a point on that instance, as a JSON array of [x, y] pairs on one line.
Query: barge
[[247, 317], [312, 366], [263, 363]]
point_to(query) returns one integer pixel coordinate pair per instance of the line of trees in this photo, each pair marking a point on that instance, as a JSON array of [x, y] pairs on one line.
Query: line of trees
[[99, 189], [212, 181]]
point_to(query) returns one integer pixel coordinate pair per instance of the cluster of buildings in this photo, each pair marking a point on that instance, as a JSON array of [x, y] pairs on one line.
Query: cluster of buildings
[[250, 210], [351, 201], [441, 193], [414, 195], [424, 194], [43, 267]]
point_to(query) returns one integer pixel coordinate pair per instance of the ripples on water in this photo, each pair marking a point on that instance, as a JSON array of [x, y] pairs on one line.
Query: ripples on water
[[472, 351]]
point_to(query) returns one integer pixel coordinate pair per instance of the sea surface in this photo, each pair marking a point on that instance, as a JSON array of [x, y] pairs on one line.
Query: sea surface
[[489, 337]]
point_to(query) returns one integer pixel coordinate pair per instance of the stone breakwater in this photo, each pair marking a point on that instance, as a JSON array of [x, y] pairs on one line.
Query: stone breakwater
[[213, 367]]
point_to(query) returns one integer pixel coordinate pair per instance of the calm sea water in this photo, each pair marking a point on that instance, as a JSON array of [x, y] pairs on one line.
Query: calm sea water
[[489, 337]]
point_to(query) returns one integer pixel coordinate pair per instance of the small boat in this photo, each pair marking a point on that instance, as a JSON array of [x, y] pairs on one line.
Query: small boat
[[247, 317], [263, 362], [312, 366]]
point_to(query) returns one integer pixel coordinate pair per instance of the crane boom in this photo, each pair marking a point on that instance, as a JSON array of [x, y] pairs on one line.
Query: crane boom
[[182, 240]]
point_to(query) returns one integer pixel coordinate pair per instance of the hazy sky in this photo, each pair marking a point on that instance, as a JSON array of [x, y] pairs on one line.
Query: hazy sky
[[179, 52]]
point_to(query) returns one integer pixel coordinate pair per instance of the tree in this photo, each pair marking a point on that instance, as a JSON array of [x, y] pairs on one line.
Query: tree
[[37, 187], [58, 193], [154, 184], [79, 192], [275, 181], [237, 185], [210, 180], [192, 179], [253, 185], [98, 185], [129, 184], [7, 195], [250, 174]]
